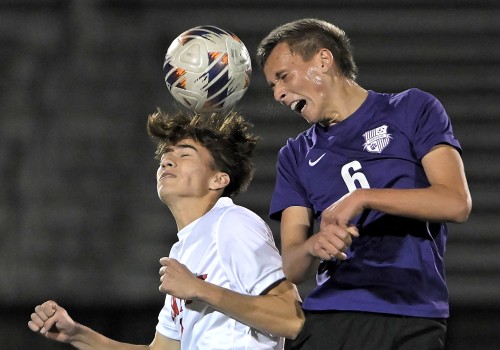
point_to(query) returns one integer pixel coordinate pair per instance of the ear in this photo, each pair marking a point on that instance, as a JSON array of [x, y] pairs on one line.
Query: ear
[[219, 181], [327, 60]]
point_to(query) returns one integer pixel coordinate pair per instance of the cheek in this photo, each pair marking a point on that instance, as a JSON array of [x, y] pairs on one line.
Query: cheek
[[314, 76]]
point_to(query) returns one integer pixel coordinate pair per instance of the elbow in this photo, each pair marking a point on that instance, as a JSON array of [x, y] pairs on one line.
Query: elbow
[[295, 325], [291, 317], [288, 270], [289, 328], [462, 210], [292, 277], [299, 271]]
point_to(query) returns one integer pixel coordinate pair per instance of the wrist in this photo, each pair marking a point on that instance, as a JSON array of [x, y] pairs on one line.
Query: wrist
[[362, 196], [207, 292], [76, 335]]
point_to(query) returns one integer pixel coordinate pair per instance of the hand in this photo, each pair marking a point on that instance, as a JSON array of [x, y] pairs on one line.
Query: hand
[[336, 230], [343, 211], [52, 321], [177, 280], [331, 242]]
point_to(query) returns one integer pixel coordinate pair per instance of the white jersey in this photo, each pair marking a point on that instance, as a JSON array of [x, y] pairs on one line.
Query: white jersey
[[231, 247]]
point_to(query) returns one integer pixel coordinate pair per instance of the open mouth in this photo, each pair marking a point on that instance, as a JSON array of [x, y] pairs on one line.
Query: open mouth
[[298, 106]]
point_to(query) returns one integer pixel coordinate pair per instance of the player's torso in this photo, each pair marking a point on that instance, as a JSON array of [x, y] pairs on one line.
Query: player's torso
[[203, 327], [370, 151], [375, 149], [198, 251]]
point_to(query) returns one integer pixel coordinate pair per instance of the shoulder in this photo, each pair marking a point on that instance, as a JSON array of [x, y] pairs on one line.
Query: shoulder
[[238, 224], [299, 144], [410, 96], [412, 105], [304, 137], [227, 213], [242, 217]]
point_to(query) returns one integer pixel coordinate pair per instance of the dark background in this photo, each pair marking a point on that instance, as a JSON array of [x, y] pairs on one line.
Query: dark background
[[80, 221]]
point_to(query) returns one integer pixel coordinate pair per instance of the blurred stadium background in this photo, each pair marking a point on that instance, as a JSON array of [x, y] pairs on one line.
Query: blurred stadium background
[[80, 221]]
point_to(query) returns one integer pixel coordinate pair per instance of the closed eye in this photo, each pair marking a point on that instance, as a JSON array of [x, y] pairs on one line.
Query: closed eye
[[279, 77], [185, 150]]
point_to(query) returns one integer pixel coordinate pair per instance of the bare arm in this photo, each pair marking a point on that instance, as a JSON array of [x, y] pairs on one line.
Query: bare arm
[[447, 199], [298, 262], [278, 312], [53, 322], [301, 253]]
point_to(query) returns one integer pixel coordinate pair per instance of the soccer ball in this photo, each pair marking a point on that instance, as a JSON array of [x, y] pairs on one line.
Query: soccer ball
[[207, 69]]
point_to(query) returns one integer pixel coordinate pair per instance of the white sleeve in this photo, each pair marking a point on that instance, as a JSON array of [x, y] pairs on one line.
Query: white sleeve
[[166, 325], [247, 251]]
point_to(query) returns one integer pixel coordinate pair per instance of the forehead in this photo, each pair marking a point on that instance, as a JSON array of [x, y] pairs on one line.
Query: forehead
[[280, 59], [187, 142], [280, 54]]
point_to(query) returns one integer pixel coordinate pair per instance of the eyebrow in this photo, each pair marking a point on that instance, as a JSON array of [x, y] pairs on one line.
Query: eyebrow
[[185, 145], [180, 146]]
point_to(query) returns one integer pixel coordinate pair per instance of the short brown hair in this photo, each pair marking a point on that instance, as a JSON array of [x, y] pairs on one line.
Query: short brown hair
[[306, 37], [224, 135]]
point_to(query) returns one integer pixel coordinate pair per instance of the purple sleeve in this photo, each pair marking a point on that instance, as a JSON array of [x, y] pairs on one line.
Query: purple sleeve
[[287, 190], [432, 124]]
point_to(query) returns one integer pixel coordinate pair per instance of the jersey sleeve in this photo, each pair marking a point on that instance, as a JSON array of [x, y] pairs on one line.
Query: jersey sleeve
[[248, 252], [166, 325], [432, 126], [288, 190]]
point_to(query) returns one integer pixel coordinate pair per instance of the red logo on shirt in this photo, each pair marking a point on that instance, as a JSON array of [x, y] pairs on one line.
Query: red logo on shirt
[[176, 304]]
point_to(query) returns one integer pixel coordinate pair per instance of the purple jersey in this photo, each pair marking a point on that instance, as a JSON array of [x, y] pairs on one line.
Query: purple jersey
[[396, 265]]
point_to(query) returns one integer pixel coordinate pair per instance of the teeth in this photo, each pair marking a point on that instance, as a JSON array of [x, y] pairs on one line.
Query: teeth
[[298, 106]]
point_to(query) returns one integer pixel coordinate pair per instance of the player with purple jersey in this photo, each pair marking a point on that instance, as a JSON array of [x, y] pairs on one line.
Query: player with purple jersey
[[381, 144], [382, 174]]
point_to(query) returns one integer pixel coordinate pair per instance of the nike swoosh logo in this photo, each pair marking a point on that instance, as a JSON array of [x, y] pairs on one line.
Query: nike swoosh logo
[[313, 163]]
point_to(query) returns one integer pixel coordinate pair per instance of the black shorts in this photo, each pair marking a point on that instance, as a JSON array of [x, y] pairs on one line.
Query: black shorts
[[332, 330]]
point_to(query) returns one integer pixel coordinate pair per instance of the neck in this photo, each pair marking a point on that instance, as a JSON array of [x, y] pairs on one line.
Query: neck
[[347, 97], [187, 210]]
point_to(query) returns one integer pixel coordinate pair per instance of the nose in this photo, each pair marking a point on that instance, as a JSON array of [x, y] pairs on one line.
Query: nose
[[166, 162], [279, 93]]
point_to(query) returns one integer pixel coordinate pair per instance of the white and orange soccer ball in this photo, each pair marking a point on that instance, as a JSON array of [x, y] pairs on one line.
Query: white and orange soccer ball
[[207, 69]]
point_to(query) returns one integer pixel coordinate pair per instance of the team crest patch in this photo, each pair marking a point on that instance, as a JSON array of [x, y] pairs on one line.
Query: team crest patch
[[376, 139]]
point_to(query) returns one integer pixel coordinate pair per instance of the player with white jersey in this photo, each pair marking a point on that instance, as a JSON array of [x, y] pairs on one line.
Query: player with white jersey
[[231, 247], [382, 175], [223, 278]]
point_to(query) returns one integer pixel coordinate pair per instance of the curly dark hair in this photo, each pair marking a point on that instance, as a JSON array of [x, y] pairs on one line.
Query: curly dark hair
[[225, 135], [306, 37]]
